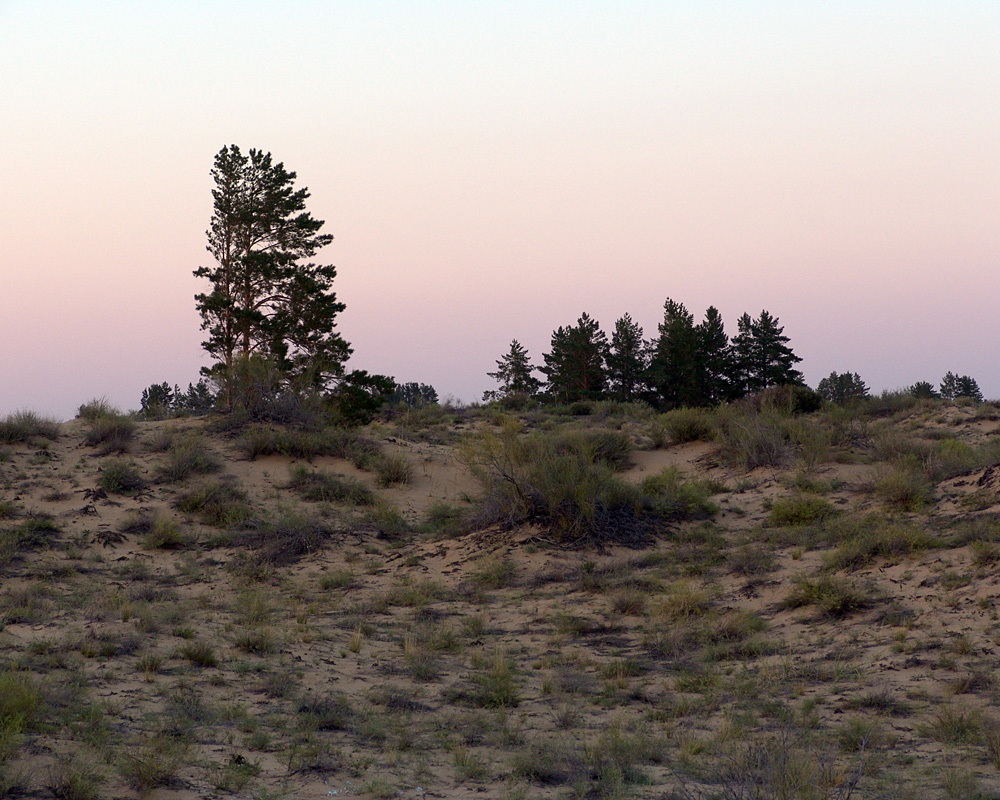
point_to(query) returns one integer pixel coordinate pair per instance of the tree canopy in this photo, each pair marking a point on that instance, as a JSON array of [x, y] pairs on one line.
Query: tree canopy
[[266, 298]]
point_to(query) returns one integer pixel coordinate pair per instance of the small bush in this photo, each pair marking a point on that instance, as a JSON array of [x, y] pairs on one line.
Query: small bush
[[187, 456], [799, 510], [285, 540], [833, 597], [750, 439], [110, 434], [444, 519], [319, 486], [903, 486], [537, 479], [201, 654], [393, 469], [682, 425], [221, 504], [676, 498], [26, 426], [870, 538], [29, 534], [496, 687], [165, 534], [121, 476], [98, 408]]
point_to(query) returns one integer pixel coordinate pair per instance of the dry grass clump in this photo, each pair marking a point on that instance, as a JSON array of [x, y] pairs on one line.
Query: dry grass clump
[[287, 539], [832, 596], [187, 456], [121, 476], [27, 426], [751, 438], [682, 425], [112, 433], [392, 470], [557, 483], [321, 486], [221, 504], [799, 510]]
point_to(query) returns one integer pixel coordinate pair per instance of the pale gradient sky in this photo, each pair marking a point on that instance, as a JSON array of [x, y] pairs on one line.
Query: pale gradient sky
[[492, 169]]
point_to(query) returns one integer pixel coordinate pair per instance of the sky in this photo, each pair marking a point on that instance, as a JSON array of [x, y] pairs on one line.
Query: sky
[[491, 170]]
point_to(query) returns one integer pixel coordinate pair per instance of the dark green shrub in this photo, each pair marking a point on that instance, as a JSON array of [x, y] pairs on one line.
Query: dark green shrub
[[682, 425], [187, 456], [832, 596], [26, 426], [121, 476], [799, 510], [320, 486], [674, 497], [392, 469], [220, 504], [110, 434], [285, 540]]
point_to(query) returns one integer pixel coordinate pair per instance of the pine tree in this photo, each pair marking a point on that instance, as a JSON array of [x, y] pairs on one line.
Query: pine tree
[[575, 365], [776, 359], [266, 298], [842, 389], [955, 386], [627, 361], [514, 374], [674, 368], [742, 358], [715, 366]]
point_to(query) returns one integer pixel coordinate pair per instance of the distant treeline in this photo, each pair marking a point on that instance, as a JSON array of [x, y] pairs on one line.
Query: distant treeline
[[686, 364]]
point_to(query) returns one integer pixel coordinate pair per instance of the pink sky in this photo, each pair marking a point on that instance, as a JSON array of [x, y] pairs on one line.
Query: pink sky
[[492, 170]]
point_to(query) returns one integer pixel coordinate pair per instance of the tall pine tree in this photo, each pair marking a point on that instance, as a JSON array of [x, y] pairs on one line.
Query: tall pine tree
[[266, 298], [575, 365], [514, 374], [673, 370], [626, 361]]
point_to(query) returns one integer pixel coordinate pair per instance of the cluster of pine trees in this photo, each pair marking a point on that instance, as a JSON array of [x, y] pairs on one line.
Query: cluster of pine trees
[[687, 364]]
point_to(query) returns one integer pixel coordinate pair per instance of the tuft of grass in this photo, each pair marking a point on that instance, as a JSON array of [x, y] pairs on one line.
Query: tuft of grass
[[26, 426], [164, 534], [288, 538], [674, 497], [29, 534], [750, 438], [392, 470], [444, 519], [320, 486], [220, 504], [201, 654], [495, 685], [903, 486], [682, 425], [187, 456], [863, 540], [799, 510], [110, 434], [121, 476], [97, 408], [832, 596]]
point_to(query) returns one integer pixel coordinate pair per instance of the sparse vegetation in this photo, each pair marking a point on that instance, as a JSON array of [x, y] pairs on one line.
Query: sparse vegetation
[[758, 634]]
